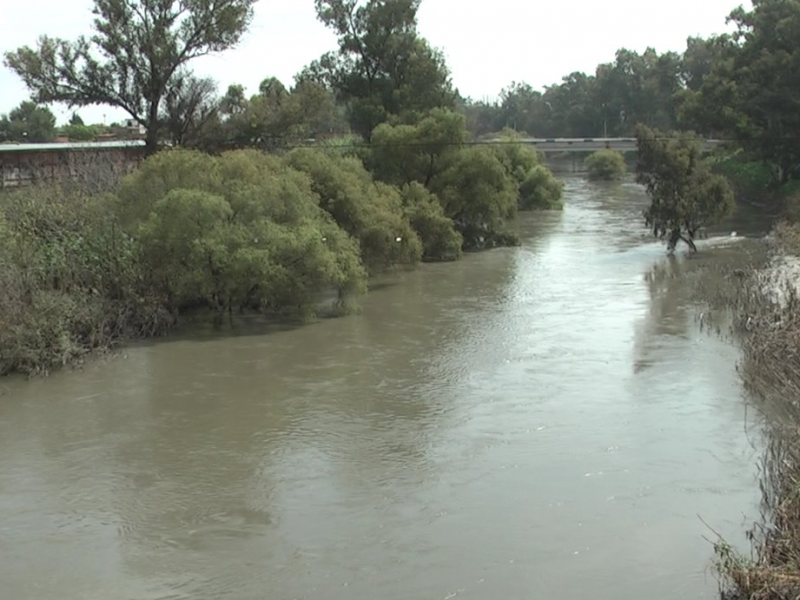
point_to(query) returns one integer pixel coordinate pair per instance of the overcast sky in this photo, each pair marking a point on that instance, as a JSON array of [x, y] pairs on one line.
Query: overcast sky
[[488, 43]]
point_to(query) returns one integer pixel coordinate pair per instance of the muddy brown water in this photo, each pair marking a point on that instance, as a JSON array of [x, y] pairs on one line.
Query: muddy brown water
[[537, 422]]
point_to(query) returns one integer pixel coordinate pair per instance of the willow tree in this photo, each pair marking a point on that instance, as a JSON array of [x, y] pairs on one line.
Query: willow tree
[[685, 195], [133, 59]]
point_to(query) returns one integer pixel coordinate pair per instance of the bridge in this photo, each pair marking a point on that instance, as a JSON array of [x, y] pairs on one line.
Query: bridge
[[588, 145]]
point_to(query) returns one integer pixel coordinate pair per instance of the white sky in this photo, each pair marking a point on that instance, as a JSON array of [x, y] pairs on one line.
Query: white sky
[[488, 44]]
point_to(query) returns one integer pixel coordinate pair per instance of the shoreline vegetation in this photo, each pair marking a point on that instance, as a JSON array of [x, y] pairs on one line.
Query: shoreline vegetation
[[244, 231], [762, 304]]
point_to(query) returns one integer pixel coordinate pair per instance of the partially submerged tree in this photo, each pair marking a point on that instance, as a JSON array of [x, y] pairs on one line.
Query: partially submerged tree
[[134, 58], [685, 195], [606, 165]]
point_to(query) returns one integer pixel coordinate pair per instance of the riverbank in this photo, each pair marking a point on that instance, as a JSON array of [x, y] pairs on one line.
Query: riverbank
[[245, 231], [764, 302]]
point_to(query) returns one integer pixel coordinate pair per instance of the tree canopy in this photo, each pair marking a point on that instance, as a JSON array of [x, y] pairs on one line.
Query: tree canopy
[[382, 67], [133, 61], [750, 90], [28, 122], [685, 195]]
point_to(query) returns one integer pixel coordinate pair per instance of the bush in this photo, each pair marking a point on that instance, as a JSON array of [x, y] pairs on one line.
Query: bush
[[246, 233], [71, 280], [440, 240], [517, 158], [477, 194], [370, 212], [606, 165], [540, 190]]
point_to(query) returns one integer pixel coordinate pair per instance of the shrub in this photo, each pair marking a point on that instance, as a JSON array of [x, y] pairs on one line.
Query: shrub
[[370, 212], [540, 190], [606, 165], [246, 233], [71, 280], [440, 240]]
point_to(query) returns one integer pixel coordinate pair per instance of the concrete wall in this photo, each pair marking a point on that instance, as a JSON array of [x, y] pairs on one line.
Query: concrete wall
[[95, 168]]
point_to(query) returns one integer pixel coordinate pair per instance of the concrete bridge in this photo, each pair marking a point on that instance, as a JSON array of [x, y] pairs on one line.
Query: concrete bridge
[[588, 145]]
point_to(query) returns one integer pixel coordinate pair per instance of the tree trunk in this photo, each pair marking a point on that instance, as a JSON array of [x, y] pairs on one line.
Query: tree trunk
[[153, 129]]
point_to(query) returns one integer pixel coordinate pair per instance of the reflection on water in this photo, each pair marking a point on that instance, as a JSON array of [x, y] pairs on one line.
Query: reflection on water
[[529, 422]]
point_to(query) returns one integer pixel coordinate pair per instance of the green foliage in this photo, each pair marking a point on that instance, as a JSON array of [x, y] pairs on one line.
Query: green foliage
[[371, 212], [745, 172], [190, 110], [147, 44], [401, 154], [606, 165], [382, 67], [517, 158], [477, 193], [685, 195], [71, 280], [750, 92], [238, 231], [440, 240], [79, 133], [540, 190], [28, 122], [536, 185], [478, 186], [276, 117]]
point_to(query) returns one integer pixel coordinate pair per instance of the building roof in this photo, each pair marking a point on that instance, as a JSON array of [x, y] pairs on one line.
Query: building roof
[[71, 146]]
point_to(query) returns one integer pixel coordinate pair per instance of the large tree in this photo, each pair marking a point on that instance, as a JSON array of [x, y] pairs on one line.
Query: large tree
[[28, 123], [685, 195], [751, 91], [133, 59], [382, 67]]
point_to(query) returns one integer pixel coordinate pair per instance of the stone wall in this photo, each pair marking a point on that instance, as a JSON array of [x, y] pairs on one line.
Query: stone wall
[[95, 167]]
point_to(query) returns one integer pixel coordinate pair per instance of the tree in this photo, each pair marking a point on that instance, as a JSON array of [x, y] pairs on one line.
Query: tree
[[371, 212], [477, 193], [238, 231], [753, 84], [134, 59], [401, 154], [79, 133], [685, 195], [75, 119], [277, 117], [189, 105], [28, 122], [383, 67], [606, 165]]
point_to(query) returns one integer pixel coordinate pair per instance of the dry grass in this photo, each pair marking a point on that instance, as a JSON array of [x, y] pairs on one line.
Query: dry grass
[[764, 304]]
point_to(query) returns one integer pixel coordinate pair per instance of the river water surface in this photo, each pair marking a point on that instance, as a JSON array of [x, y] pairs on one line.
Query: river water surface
[[537, 422]]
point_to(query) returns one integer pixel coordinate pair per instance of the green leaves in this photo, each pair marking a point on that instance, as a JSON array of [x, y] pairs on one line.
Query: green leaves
[[606, 165], [28, 123], [685, 195], [134, 58], [372, 213], [751, 89], [242, 230], [383, 68]]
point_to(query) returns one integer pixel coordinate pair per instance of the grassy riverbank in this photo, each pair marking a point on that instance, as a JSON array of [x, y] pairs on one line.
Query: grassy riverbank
[[765, 307]]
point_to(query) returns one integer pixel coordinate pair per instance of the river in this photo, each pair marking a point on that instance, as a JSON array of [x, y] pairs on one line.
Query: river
[[537, 422]]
